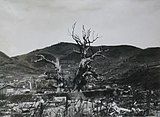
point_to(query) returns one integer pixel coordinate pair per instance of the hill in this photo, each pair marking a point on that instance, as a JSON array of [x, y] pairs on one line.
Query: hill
[[122, 64], [10, 68], [4, 58]]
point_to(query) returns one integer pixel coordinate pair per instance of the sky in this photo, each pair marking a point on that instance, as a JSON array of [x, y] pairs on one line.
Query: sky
[[26, 25]]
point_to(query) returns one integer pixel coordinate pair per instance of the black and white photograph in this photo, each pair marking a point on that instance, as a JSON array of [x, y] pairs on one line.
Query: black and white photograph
[[79, 58]]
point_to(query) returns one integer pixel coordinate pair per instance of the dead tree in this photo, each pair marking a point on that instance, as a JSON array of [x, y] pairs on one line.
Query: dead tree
[[58, 70], [57, 66], [87, 56]]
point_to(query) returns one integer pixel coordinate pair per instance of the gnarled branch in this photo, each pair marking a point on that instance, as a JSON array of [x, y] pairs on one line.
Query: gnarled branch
[[56, 64], [84, 43]]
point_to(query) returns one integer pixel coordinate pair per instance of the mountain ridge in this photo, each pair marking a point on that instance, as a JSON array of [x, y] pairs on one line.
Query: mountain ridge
[[121, 62]]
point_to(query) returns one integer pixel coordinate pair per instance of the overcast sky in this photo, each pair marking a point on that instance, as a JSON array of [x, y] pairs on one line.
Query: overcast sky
[[26, 25]]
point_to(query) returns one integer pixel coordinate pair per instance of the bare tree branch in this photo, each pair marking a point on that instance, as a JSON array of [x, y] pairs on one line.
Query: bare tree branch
[[98, 53], [75, 36], [77, 51], [56, 64], [85, 42]]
